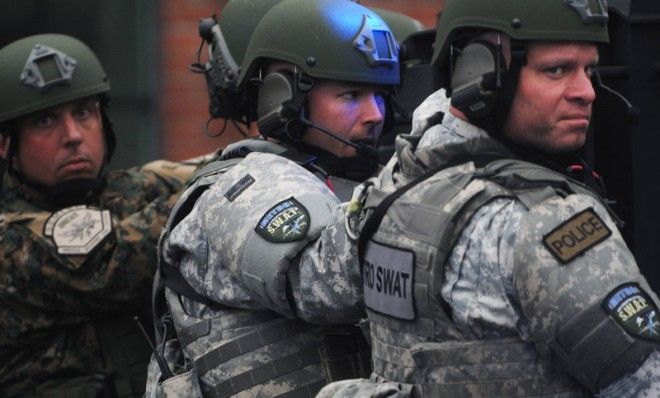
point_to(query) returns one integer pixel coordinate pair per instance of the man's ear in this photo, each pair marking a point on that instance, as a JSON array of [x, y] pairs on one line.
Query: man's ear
[[4, 145]]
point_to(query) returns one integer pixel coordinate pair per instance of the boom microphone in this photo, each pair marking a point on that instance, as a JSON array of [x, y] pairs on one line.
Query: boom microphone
[[362, 149]]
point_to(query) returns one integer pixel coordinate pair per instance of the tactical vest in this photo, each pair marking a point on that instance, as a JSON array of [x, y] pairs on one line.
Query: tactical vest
[[413, 338], [236, 352]]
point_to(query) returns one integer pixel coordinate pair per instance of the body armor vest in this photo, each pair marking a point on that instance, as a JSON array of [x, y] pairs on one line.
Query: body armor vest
[[412, 335], [237, 352]]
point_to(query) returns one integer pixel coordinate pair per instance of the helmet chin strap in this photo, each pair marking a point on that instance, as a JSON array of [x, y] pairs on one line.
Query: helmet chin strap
[[66, 193], [3, 169], [73, 192]]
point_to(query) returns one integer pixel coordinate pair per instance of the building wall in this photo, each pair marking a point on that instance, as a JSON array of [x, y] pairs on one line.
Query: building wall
[[183, 98]]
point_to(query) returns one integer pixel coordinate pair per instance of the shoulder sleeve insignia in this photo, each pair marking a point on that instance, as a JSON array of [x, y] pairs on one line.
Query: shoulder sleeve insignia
[[78, 230], [632, 308], [575, 236], [287, 221]]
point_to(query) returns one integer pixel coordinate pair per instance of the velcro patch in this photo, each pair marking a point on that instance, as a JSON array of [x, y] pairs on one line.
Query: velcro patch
[[632, 308], [78, 230], [238, 188], [577, 235], [387, 275], [287, 221]]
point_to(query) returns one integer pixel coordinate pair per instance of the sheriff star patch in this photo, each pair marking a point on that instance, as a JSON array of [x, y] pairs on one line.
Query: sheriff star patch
[[78, 230], [575, 236], [632, 308], [287, 221]]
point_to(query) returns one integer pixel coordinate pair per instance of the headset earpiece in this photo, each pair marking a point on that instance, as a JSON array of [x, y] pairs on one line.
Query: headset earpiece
[[476, 77], [276, 90], [281, 100]]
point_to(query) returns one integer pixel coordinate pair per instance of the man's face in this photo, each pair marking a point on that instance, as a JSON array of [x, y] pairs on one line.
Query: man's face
[[61, 143], [352, 111], [552, 104]]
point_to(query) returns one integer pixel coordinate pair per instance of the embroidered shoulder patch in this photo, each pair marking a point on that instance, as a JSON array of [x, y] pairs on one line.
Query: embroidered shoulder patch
[[287, 221], [387, 276], [238, 188], [632, 308], [78, 230], [577, 235]]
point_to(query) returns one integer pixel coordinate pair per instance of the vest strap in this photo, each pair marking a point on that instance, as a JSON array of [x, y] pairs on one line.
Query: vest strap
[[289, 364], [199, 329], [373, 222], [263, 336], [500, 367]]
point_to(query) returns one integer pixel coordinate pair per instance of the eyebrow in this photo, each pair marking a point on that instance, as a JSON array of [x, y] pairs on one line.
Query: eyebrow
[[561, 60]]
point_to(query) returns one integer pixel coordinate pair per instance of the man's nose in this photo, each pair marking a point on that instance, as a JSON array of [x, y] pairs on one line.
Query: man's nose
[[582, 88], [373, 109], [71, 130]]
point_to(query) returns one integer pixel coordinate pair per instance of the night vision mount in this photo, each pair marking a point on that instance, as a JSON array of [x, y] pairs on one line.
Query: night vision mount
[[221, 72]]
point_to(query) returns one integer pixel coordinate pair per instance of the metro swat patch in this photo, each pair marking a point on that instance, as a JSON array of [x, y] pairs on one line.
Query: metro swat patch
[[78, 230], [632, 308], [575, 236], [287, 221], [387, 275]]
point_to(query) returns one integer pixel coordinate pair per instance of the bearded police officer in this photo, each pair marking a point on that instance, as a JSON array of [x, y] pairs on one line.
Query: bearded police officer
[[491, 264], [77, 242], [322, 70]]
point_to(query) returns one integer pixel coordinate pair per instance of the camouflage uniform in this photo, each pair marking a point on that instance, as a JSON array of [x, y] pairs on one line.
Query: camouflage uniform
[[493, 293], [68, 292], [241, 342], [258, 237]]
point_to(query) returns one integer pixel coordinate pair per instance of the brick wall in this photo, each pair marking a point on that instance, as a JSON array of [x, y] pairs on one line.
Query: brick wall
[[183, 95]]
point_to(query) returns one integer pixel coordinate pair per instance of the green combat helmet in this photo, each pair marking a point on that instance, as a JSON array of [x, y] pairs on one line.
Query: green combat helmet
[[571, 20], [478, 75], [416, 48], [402, 25], [42, 71], [325, 39]]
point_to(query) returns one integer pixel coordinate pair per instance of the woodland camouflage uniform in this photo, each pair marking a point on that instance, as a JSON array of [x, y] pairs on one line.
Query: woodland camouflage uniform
[[75, 269]]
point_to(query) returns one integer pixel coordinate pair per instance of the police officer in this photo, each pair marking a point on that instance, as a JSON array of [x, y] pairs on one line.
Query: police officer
[[77, 241], [322, 71], [490, 268]]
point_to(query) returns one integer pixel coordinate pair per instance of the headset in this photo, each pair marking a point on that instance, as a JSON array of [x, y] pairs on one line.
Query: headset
[[281, 109], [281, 101], [476, 74]]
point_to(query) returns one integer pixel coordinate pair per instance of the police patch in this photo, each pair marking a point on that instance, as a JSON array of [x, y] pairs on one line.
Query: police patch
[[577, 235], [78, 230], [632, 308], [387, 276], [287, 221]]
